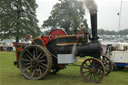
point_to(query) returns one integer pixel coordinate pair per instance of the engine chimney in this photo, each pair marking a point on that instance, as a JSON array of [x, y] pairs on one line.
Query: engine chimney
[[93, 17], [92, 48]]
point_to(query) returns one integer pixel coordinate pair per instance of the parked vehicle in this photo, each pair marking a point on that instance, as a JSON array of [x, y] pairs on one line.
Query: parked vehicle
[[118, 54]]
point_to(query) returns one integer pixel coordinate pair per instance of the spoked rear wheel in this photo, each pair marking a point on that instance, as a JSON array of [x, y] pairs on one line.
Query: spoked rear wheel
[[35, 62], [92, 70], [107, 64]]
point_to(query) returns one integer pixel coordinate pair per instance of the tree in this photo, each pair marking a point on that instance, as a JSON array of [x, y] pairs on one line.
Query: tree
[[18, 19], [108, 32], [101, 31], [66, 14], [123, 32]]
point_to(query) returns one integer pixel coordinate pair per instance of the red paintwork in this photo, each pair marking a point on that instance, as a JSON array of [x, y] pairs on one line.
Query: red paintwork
[[45, 39], [52, 35], [56, 32]]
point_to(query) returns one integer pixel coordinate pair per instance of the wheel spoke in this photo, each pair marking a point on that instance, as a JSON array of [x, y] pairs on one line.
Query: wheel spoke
[[42, 67], [86, 67], [39, 55], [26, 68], [93, 64], [86, 64], [24, 59], [90, 61], [41, 61], [87, 75], [27, 64], [33, 73], [90, 76], [29, 52], [34, 55], [99, 72], [85, 71], [29, 57], [44, 64], [97, 75], [40, 71], [94, 76], [36, 52]]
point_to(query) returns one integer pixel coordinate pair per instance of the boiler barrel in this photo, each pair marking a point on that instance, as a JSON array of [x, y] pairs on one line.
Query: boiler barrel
[[91, 49]]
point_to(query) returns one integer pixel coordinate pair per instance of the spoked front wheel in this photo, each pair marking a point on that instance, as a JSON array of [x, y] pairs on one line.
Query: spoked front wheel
[[35, 62], [92, 70], [107, 64]]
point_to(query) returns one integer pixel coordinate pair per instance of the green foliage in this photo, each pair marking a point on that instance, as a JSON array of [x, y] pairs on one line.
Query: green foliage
[[67, 14], [18, 18], [123, 32]]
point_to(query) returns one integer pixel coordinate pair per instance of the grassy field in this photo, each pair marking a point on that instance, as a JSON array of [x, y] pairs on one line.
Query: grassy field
[[10, 75]]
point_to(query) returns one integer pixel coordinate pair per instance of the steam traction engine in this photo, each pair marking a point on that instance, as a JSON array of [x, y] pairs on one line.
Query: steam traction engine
[[55, 51]]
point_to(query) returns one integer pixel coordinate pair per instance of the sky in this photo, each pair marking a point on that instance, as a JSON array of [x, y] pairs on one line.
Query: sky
[[107, 13]]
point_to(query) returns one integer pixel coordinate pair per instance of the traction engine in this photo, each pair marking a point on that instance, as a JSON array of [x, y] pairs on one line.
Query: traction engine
[[55, 51]]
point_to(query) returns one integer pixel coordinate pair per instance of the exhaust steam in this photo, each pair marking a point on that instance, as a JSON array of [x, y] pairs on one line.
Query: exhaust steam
[[91, 5]]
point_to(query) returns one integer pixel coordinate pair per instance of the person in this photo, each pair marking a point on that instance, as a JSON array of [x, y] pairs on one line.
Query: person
[[84, 33], [11, 48], [28, 38], [82, 29]]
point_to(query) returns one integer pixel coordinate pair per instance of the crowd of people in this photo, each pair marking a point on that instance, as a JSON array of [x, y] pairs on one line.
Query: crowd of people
[[6, 48]]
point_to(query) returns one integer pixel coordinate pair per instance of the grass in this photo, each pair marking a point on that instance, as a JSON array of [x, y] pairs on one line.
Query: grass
[[10, 75]]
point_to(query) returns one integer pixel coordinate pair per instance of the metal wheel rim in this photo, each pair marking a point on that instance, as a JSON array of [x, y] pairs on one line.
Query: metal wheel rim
[[34, 62], [107, 64], [94, 76]]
